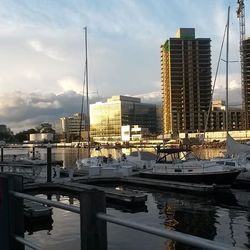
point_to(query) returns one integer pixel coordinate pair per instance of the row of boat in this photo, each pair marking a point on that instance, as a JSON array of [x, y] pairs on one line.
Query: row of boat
[[175, 164]]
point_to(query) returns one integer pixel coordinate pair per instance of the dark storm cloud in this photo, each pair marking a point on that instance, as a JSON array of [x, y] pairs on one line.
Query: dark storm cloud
[[20, 111]]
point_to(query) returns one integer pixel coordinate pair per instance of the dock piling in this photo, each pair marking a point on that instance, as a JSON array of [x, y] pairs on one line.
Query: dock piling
[[49, 163], [2, 158], [93, 230], [33, 153], [11, 212]]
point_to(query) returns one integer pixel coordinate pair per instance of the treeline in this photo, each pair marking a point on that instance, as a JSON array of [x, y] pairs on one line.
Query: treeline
[[8, 136]]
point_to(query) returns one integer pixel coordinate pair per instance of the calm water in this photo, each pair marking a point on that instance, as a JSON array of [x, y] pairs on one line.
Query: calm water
[[223, 217]]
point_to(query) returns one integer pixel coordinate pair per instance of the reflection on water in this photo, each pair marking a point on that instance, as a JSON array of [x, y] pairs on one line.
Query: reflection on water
[[33, 225], [69, 155], [223, 218]]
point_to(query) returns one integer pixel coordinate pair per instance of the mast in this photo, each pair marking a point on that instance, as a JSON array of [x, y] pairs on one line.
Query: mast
[[227, 49], [87, 91]]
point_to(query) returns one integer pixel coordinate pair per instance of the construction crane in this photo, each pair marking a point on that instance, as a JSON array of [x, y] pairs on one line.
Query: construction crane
[[241, 15]]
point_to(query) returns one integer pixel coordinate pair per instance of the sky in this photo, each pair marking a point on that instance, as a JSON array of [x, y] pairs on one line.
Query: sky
[[42, 51]]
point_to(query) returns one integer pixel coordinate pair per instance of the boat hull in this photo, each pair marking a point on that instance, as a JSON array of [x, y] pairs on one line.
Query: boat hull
[[220, 178]]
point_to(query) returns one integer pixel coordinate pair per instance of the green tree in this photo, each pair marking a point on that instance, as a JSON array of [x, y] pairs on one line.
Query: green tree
[[25, 135]]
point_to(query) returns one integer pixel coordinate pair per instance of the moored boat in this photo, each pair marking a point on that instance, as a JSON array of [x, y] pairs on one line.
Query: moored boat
[[178, 164]]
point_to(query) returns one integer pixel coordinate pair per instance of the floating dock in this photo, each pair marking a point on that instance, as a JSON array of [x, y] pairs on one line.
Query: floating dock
[[123, 197], [153, 183]]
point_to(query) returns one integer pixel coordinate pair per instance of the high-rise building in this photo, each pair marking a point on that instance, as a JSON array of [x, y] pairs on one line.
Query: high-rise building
[[69, 127], [107, 118], [186, 82], [246, 82]]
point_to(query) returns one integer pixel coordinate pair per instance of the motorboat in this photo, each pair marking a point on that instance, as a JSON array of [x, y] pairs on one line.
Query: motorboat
[[105, 166], [137, 161], [239, 152], [182, 165]]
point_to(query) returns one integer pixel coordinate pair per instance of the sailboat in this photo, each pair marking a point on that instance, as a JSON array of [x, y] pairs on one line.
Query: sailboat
[[234, 150], [100, 165]]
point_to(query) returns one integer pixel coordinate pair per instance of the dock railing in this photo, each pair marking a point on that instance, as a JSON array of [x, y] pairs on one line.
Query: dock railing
[[93, 220]]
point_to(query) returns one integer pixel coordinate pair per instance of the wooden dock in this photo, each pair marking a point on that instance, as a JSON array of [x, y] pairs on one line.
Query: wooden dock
[[151, 183], [124, 197], [169, 185]]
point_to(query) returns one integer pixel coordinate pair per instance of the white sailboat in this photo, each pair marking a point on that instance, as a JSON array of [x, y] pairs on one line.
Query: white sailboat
[[99, 165], [234, 150]]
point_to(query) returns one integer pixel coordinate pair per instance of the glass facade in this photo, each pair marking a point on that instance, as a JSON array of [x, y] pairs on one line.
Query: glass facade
[[107, 118]]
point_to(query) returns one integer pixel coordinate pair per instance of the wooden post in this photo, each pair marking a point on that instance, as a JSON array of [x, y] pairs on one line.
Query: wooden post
[[93, 230], [49, 163], [33, 153], [2, 158], [11, 212]]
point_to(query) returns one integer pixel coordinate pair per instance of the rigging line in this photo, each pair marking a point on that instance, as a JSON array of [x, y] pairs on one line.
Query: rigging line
[[81, 113], [215, 78]]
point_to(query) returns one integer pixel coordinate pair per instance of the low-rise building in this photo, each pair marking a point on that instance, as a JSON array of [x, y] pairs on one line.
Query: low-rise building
[[41, 137], [217, 119], [133, 133]]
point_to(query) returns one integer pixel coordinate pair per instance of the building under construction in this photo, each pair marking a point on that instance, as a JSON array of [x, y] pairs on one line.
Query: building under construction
[[246, 81], [186, 82]]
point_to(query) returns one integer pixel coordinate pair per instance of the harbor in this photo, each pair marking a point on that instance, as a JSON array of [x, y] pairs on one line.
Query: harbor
[[118, 130], [135, 198]]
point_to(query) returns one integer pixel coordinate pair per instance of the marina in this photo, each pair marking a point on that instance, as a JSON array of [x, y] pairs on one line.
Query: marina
[[131, 197], [150, 150]]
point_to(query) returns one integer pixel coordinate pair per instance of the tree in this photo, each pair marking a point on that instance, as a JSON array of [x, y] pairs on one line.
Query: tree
[[6, 135], [24, 135], [46, 128]]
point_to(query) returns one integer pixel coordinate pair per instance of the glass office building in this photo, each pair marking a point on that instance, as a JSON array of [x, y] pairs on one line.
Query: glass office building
[[106, 119]]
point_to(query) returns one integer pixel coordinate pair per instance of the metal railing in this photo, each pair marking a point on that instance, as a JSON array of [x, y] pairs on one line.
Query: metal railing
[[93, 220]]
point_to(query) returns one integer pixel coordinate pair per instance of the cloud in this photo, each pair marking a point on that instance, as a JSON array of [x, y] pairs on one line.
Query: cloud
[[70, 83], [50, 52], [19, 110], [152, 97], [42, 50]]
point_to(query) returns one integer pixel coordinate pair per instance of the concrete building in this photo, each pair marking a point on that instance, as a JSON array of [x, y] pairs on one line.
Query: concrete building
[[107, 118], [246, 82], [41, 137], [186, 82], [3, 128], [133, 133], [69, 127], [217, 119]]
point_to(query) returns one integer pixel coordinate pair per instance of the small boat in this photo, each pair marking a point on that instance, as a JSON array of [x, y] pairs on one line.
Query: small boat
[[178, 164], [104, 166], [34, 210]]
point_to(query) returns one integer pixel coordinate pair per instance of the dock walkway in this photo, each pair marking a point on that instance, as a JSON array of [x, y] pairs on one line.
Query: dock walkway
[[118, 196], [150, 183]]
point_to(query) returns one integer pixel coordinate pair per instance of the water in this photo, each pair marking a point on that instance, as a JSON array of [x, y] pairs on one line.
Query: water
[[222, 217]]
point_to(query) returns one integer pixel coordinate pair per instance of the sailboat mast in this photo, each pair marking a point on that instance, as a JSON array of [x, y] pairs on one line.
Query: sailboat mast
[[87, 75], [227, 49], [87, 88]]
